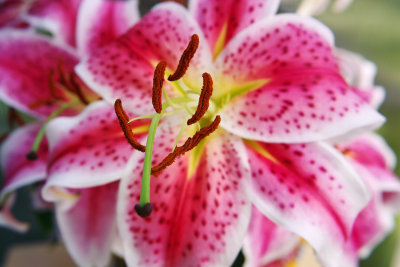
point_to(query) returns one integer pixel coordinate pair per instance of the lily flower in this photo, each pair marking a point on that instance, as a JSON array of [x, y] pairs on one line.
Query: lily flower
[[270, 84], [31, 83]]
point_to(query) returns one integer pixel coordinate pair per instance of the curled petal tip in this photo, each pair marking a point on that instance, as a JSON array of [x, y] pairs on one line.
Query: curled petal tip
[[145, 210], [32, 155]]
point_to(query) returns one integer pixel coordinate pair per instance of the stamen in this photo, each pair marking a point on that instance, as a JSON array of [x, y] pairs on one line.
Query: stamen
[[204, 132], [204, 99], [62, 74], [187, 55], [190, 143], [158, 80], [126, 128], [41, 102], [77, 89], [51, 81], [170, 158]]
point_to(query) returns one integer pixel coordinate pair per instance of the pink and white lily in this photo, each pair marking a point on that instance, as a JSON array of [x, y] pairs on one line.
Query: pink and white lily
[[276, 83]]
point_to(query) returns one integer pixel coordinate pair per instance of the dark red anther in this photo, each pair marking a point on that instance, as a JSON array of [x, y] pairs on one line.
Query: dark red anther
[[126, 128], [204, 99], [190, 143], [184, 61], [158, 80]]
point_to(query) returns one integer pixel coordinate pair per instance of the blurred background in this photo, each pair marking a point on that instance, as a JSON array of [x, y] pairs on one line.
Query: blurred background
[[368, 27]]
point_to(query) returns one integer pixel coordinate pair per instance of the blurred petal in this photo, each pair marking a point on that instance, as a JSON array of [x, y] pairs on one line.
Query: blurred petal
[[7, 219], [26, 61], [100, 22], [89, 226], [18, 171], [267, 242], [59, 17]]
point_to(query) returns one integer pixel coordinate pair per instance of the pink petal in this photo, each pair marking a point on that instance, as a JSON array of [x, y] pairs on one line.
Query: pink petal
[[100, 22], [360, 73], [267, 242], [89, 226], [59, 17], [10, 10], [310, 190], [372, 160], [304, 98], [125, 68], [87, 150], [7, 219], [197, 221], [213, 16], [26, 61], [18, 171]]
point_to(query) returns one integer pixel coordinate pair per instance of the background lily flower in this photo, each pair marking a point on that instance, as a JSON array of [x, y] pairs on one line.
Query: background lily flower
[[276, 81], [27, 64], [37, 72]]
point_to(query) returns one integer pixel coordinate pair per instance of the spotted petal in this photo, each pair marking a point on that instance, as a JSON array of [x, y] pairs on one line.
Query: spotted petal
[[285, 68], [18, 171], [87, 150], [125, 68], [89, 226], [26, 61], [100, 22], [268, 243], [222, 20], [198, 219], [310, 190]]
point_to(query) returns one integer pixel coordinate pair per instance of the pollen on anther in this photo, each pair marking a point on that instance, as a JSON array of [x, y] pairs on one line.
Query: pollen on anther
[[189, 144], [184, 61], [158, 80], [204, 99], [124, 123]]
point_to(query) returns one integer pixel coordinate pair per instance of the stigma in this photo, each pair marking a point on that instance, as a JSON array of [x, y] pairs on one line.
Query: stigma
[[207, 124]]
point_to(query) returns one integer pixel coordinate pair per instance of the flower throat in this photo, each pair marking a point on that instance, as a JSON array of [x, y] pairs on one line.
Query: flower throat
[[144, 208]]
